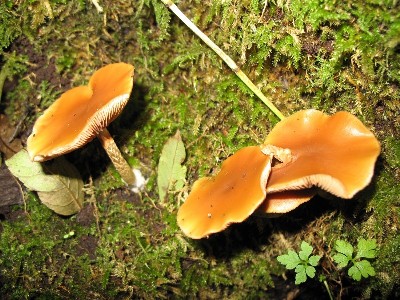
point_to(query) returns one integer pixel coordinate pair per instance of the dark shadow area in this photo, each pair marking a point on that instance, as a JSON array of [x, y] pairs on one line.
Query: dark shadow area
[[255, 232], [362, 198], [132, 117], [287, 289], [60, 166]]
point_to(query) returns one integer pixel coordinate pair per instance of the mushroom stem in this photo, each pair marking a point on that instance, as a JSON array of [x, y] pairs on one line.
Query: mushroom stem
[[115, 155]]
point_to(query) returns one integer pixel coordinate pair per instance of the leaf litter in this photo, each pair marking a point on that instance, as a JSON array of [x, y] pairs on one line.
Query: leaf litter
[[58, 183], [171, 173]]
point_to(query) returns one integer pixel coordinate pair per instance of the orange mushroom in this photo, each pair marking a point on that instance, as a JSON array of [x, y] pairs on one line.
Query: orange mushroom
[[231, 196], [335, 153], [285, 201], [83, 113]]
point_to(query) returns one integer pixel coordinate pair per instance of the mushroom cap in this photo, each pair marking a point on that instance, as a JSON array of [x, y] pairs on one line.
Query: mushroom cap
[[336, 153], [285, 201], [230, 196], [81, 113]]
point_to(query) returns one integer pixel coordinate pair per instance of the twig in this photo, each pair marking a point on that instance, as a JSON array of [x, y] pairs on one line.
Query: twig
[[6, 145], [328, 289], [97, 5], [225, 57]]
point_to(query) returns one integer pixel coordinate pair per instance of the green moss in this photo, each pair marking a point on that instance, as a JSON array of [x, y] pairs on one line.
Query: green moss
[[9, 28], [384, 205], [392, 152], [16, 107], [12, 66], [387, 269], [32, 249]]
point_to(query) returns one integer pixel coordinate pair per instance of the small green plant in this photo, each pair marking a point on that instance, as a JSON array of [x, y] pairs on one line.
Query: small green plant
[[303, 264], [69, 235], [366, 249]]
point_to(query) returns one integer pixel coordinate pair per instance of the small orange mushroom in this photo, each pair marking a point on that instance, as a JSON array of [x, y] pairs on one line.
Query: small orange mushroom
[[335, 153], [231, 196], [83, 113], [285, 201]]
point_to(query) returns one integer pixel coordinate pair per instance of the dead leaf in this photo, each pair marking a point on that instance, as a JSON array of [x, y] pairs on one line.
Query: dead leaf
[[57, 182], [171, 173]]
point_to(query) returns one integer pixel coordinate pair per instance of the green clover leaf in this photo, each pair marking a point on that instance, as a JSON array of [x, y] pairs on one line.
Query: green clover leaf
[[305, 251], [290, 260], [344, 247], [310, 270], [302, 262], [365, 268], [341, 259], [301, 275], [313, 260], [360, 268], [366, 248], [354, 273]]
